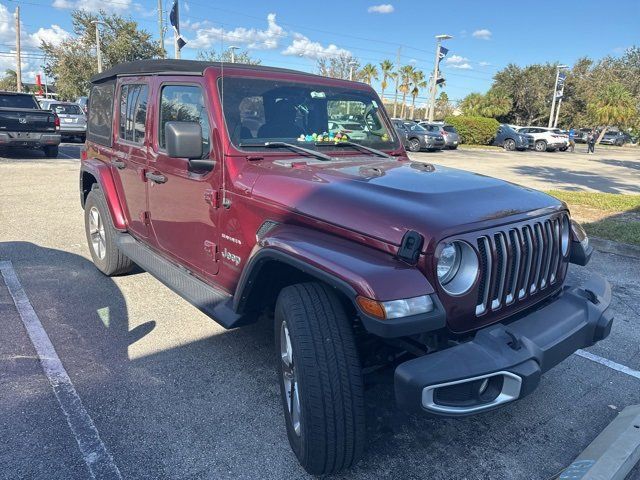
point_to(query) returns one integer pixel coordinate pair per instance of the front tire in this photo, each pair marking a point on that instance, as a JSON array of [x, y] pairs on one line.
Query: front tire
[[540, 146], [51, 151], [101, 236], [320, 378], [509, 145], [414, 145]]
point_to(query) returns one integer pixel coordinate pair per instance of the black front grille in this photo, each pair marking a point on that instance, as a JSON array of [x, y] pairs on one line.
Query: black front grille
[[518, 262]]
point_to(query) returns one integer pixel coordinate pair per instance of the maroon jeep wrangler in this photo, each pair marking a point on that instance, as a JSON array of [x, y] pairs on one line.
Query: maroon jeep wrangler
[[254, 191]]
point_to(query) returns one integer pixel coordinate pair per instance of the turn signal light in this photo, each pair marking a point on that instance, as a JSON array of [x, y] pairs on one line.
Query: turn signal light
[[371, 307]]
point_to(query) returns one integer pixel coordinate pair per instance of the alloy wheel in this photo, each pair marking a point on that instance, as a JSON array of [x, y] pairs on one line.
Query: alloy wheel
[[96, 233], [290, 378]]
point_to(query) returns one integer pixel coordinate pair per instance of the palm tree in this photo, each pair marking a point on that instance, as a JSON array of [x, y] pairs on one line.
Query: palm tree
[[406, 75], [387, 72], [612, 105], [369, 73], [418, 82], [472, 103]]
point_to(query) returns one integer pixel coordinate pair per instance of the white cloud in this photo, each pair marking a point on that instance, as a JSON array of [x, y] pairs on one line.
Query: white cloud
[[304, 47], [462, 66], [382, 8], [456, 59], [54, 35], [482, 34], [210, 36], [484, 64], [413, 61], [93, 5]]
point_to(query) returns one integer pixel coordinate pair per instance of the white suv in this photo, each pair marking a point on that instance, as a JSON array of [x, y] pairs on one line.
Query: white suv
[[545, 139]]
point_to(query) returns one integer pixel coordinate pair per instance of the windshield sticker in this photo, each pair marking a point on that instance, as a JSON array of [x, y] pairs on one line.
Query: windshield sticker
[[318, 95]]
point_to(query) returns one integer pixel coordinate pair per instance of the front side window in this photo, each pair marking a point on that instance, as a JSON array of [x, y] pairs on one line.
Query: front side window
[[184, 103], [312, 115], [133, 112]]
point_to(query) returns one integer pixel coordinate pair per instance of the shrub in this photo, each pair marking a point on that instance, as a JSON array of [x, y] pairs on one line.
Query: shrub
[[476, 130]]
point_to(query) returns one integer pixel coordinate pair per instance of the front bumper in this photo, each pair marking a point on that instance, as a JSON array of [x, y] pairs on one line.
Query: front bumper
[[28, 139], [506, 359]]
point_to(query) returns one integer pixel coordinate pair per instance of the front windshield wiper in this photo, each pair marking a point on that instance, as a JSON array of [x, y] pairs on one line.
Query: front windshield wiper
[[291, 146], [364, 148]]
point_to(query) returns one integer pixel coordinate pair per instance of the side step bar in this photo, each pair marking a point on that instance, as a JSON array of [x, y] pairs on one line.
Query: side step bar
[[215, 303]]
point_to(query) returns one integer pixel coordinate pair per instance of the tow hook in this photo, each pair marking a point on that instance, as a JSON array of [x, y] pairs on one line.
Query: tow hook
[[591, 296]]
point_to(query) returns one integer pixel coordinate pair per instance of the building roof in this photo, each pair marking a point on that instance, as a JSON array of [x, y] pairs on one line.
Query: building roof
[[171, 66]]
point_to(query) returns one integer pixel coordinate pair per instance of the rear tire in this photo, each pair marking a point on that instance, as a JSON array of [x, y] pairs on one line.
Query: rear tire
[[455, 147], [51, 151], [323, 379], [101, 236], [540, 146], [414, 145]]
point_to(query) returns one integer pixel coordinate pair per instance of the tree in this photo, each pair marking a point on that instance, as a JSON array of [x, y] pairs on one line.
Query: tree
[[387, 72], [238, 57], [444, 108], [471, 104], [418, 82], [369, 73], [9, 83], [73, 62], [406, 75], [338, 66], [612, 105]]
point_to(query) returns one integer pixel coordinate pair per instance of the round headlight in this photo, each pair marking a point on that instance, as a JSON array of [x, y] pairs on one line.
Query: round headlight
[[564, 236], [457, 267], [448, 263]]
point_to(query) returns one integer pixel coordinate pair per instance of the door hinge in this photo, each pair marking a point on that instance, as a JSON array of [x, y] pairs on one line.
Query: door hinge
[[145, 217], [212, 198], [211, 249]]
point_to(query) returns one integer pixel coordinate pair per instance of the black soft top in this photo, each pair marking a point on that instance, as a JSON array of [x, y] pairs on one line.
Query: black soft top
[[171, 66]]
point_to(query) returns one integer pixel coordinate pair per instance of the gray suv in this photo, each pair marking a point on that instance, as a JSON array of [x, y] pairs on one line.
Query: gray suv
[[417, 138], [448, 132]]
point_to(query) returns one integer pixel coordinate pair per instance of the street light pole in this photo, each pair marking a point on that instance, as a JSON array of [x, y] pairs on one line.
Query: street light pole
[[352, 64], [233, 53], [98, 51], [553, 101], [436, 65]]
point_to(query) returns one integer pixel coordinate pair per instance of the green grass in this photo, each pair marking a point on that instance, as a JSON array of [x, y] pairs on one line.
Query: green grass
[[624, 232], [609, 202], [613, 226]]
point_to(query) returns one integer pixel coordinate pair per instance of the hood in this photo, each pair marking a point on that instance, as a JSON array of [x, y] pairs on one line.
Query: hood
[[384, 199]]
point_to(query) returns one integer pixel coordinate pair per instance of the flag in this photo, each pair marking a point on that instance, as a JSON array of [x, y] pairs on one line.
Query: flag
[[442, 52], [174, 16], [440, 80]]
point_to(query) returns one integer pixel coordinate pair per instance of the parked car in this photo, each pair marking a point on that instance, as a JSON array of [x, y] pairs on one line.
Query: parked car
[[616, 138], [582, 134], [448, 132], [417, 138], [353, 130], [508, 138], [84, 103], [362, 257], [73, 121], [544, 139], [564, 135], [24, 124]]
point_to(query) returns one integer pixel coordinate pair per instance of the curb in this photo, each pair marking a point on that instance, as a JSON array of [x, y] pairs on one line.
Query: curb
[[617, 248]]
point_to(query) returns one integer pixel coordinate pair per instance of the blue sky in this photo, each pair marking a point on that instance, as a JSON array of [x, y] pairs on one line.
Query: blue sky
[[487, 34]]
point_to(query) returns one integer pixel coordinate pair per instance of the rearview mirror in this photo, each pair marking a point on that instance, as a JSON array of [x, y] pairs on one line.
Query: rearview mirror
[[183, 139]]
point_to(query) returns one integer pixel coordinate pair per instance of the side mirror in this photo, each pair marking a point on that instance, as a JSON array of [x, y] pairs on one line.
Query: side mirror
[[183, 139]]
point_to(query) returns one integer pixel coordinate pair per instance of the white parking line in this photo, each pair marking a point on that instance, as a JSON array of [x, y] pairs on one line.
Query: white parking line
[[95, 455], [609, 363]]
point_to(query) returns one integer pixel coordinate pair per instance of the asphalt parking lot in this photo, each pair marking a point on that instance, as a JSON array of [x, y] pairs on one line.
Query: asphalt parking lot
[[173, 395]]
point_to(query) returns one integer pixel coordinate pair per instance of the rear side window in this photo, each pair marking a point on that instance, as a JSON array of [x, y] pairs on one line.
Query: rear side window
[[449, 128], [184, 103], [100, 122], [133, 113]]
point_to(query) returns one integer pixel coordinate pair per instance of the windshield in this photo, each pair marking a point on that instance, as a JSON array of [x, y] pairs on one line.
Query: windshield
[[66, 109], [17, 101], [258, 111], [414, 127]]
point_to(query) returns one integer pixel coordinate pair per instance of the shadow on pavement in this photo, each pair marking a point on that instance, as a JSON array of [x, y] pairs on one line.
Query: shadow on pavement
[[634, 165], [579, 179]]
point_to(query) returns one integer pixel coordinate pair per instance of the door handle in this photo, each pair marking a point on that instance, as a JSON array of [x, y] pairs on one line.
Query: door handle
[[119, 164], [155, 177]]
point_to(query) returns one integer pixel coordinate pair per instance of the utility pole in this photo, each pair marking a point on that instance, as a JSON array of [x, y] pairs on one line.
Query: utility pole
[[555, 123], [555, 94], [18, 51], [97, 23], [233, 49], [395, 97], [161, 28], [434, 80]]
